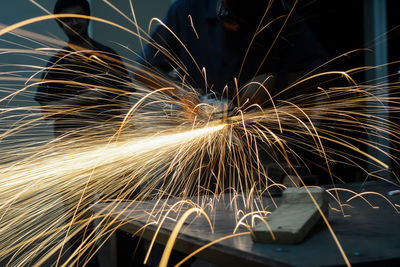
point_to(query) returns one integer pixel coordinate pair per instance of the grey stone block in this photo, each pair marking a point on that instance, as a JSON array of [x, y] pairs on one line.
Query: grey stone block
[[294, 218]]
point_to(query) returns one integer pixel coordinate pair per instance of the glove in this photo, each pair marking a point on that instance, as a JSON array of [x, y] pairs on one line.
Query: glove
[[258, 90]]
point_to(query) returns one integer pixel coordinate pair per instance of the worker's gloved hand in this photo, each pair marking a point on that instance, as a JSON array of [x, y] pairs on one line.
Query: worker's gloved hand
[[214, 106], [189, 102], [186, 101], [257, 90]]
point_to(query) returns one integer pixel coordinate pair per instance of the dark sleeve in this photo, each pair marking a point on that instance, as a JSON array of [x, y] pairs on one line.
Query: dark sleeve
[[117, 65], [120, 80], [163, 46], [120, 75], [50, 91], [116, 76]]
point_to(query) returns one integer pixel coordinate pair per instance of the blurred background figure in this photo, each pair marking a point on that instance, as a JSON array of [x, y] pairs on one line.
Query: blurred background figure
[[85, 83]]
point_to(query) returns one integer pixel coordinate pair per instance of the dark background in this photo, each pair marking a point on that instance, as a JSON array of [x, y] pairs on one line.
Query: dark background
[[340, 27]]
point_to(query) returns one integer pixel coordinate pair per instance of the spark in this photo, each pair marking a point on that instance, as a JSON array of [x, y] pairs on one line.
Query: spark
[[210, 244], [151, 153], [174, 234]]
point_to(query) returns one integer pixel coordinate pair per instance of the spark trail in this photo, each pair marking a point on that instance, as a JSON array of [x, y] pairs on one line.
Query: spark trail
[[78, 174], [48, 187]]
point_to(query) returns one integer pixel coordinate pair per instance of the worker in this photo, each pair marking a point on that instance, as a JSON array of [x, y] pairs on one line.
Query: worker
[[85, 83], [219, 46]]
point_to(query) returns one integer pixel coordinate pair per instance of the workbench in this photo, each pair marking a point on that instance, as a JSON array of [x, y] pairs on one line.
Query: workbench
[[367, 229]]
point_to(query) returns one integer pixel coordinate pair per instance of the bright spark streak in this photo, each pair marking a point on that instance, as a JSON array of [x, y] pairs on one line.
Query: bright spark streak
[[86, 160]]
